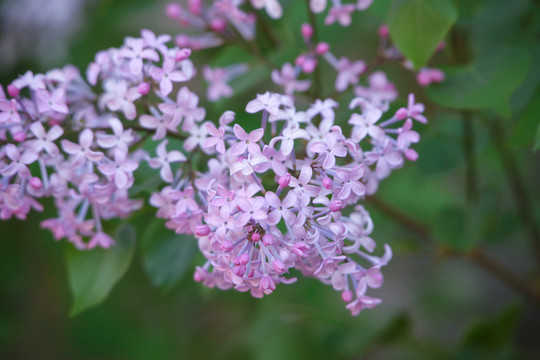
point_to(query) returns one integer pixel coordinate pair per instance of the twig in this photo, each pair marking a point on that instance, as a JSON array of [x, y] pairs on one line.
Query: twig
[[517, 185], [315, 39], [476, 255]]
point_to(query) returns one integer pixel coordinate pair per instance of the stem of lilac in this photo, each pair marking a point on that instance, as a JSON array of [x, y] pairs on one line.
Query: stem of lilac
[[332, 60], [265, 250], [44, 175], [525, 209], [258, 181], [389, 122], [322, 213], [264, 119], [471, 174], [476, 255], [97, 219], [83, 210]]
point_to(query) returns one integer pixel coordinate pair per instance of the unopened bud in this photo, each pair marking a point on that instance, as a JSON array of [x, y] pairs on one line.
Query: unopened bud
[[347, 295], [437, 75], [423, 78], [13, 91], [383, 31], [227, 246], [300, 59], [336, 205], [255, 237], [284, 180], [182, 54], [35, 183], [19, 136], [411, 155], [199, 275], [143, 88], [402, 113], [309, 65], [202, 230], [195, 7], [327, 183], [182, 40], [322, 48], [307, 31], [218, 25], [173, 10]]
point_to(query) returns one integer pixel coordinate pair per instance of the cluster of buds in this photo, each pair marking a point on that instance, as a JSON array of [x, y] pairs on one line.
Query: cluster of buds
[[283, 196]]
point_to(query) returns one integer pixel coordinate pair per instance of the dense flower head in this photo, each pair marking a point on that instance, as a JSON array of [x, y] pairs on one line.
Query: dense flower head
[[264, 200]]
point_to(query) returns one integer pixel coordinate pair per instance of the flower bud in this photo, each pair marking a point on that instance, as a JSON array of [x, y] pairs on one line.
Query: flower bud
[[19, 136], [13, 91], [301, 249], [278, 266], [255, 237], [227, 246], [284, 180], [182, 41], [322, 48], [182, 54], [267, 239], [309, 65], [173, 10], [327, 183], [307, 31], [423, 78], [347, 295], [202, 230], [218, 25], [35, 183], [383, 31], [199, 275], [437, 75], [402, 113], [195, 7], [336, 205], [143, 88], [300, 59]]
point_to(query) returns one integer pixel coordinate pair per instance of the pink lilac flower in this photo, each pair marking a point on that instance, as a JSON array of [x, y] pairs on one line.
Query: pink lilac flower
[[167, 75], [164, 160]]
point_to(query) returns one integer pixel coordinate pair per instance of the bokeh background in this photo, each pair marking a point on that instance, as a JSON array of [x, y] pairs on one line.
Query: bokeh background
[[439, 300]]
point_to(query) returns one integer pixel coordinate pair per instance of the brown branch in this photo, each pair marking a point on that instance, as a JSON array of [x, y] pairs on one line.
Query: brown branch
[[477, 256]]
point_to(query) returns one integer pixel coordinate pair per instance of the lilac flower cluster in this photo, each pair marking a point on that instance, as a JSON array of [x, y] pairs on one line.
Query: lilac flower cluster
[[264, 202]]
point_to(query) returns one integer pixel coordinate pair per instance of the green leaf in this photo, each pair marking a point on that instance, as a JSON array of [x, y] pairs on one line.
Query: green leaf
[[418, 26], [92, 274], [524, 132], [488, 83], [166, 255], [537, 141]]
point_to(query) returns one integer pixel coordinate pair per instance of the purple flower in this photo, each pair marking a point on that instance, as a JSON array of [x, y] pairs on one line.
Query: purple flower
[[366, 125], [247, 141], [167, 75], [19, 161], [268, 101], [329, 149], [82, 152], [121, 170], [280, 209], [45, 140], [164, 160], [136, 52]]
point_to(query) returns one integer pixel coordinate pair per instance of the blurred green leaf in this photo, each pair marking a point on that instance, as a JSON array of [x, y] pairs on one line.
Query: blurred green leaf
[[92, 274], [487, 83], [452, 228], [537, 141], [166, 255], [524, 132], [418, 26]]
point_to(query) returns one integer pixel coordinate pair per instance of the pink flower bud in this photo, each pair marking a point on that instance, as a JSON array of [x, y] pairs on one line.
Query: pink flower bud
[[327, 183], [202, 230], [35, 183], [300, 60], [383, 31], [244, 258], [401, 113], [173, 10], [195, 7], [278, 266], [437, 75], [182, 41], [199, 275], [267, 239], [309, 65], [227, 246], [322, 48], [143, 88], [441, 46], [347, 295], [284, 180], [423, 78], [19, 136], [336, 205], [13, 91], [255, 237], [218, 25], [239, 270], [182, 54], [411, 155], [307, 31]]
